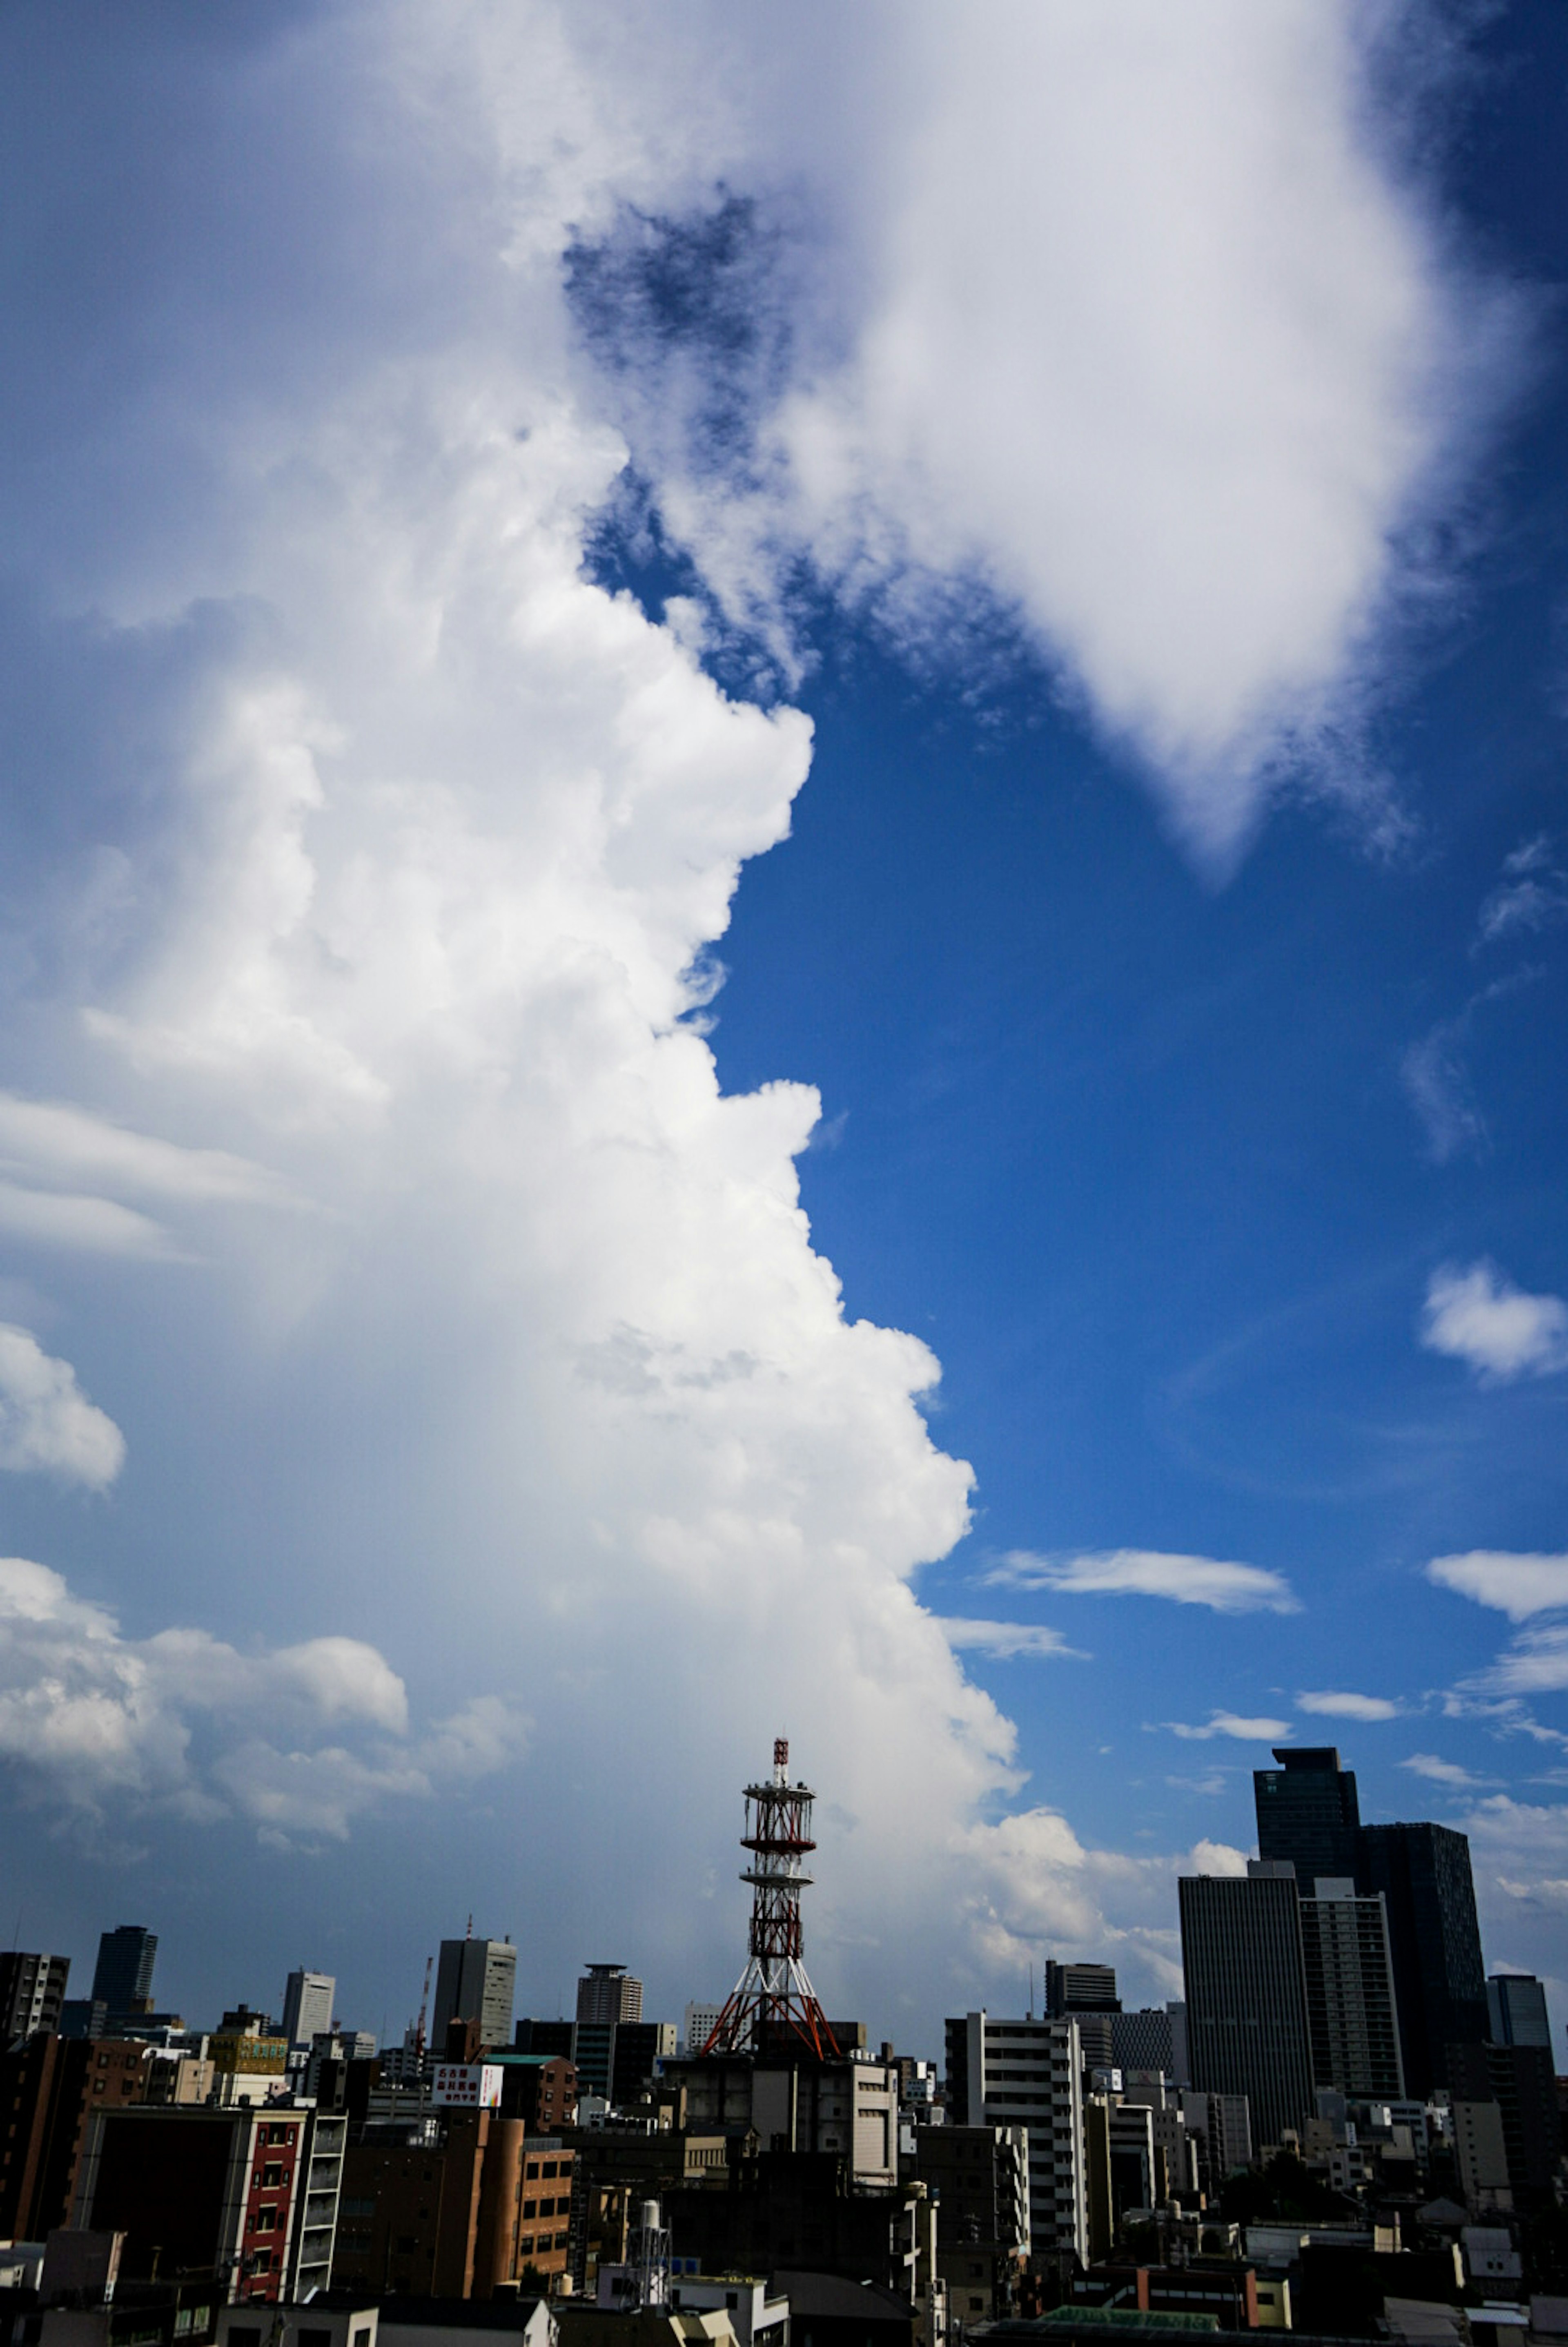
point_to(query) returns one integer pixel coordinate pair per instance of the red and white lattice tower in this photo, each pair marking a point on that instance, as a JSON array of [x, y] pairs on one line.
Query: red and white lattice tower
[[773, 2000]]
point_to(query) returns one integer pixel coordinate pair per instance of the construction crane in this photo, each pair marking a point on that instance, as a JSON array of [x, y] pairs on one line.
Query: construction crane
[[423, 2008]]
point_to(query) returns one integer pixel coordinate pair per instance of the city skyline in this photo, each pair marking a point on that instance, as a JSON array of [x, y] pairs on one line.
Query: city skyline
[[784, 932]]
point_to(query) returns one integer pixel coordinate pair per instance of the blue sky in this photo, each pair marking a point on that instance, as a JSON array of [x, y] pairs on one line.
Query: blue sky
[[969, 618]]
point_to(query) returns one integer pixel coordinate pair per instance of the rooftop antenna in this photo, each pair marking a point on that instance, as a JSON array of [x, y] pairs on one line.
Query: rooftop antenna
[[1030, 1988], [773, 1995]]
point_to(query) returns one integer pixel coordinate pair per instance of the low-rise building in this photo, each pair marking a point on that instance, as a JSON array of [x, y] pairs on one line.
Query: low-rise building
[[49, 2088], [248, 2196], [457, 2207]]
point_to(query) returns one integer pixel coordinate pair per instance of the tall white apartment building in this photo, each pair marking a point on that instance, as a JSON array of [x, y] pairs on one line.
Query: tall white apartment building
[[1029, 2073]]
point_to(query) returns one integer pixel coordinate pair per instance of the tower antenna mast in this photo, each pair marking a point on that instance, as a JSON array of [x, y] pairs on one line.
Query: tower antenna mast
[[773, 1998]]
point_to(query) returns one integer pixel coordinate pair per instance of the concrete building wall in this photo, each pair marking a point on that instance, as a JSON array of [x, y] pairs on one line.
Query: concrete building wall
[[1351, 2018], [1029, 2073]]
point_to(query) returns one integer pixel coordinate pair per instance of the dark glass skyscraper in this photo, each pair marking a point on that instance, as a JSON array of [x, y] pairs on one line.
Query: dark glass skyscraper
[[1308, 1812], [123, 1980], [1247, 1993], [1440, 1980]]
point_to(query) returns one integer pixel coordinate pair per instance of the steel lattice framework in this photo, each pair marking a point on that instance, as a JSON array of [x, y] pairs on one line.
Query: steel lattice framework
[[773, 2000]]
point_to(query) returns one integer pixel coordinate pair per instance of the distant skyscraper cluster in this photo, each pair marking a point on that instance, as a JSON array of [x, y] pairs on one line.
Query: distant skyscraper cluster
[[1338, 2048]]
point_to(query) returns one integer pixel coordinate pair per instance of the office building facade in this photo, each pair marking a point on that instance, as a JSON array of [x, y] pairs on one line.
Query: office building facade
[[1516, 2010], [1142, 2040], [1080, 1988], [1247, 1992], [308, 2006], [122, 1980], [476, 1981], [1308, 1812], [1440, 1980]]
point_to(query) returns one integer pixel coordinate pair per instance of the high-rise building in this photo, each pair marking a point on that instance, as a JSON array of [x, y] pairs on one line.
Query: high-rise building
[[1308, 1812], [1515, 2003], [1247, 1992], [122, 1980], [1080, 1988], [475, 1979], [31, 1992], [1029, 2073], [1351, 2017], [609, 1993], [1440, 1980], [308, 2006]]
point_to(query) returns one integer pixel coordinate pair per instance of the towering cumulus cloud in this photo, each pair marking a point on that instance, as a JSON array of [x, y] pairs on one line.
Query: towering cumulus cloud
[[362, 862]]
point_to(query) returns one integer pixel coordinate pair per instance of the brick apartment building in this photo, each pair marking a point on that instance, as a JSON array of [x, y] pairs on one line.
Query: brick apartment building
[[460, 2217]]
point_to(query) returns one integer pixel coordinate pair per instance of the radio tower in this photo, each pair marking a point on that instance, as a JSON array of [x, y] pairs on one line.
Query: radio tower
[[773, 1994]]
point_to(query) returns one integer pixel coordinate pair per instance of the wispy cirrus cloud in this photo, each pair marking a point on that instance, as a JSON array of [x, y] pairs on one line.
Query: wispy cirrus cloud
[[1525, 1586], [1532, 894], [1005, 1641], [1434, 1072], [1331, 1703], [1224, 1586], [1478, 1316]]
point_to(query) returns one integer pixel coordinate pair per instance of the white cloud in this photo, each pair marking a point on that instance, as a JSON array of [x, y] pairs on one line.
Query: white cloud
[[394, 847], [1438, 1771], [1518, 1584], [1004, 1640], [1532, 892], [47, 1422], [1333, 1705], [1227, 1588], [1029, 1887], [184, 1722], [1217, 1858], [1230, 1723], [1479, 1317], [63, 1143], [1127, 318]]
